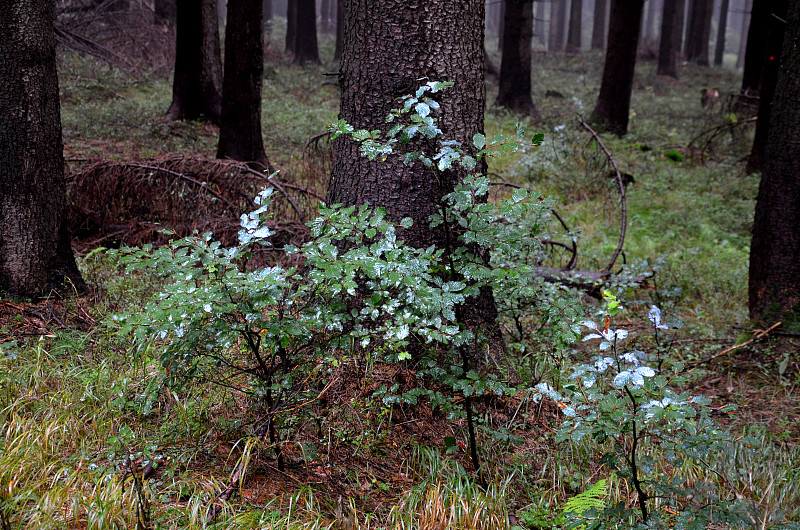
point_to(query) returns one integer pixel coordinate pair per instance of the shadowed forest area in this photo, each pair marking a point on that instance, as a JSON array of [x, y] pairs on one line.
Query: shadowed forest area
[[565, 338]]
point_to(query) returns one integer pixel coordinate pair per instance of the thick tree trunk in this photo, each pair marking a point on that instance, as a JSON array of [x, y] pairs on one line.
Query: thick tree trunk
[[305, 49], [197, 82], [390, 48], [613, 104], [769, 78], [699, 31], [575, 27], [240, 126], [35, 254], [775, 249], [515, 68], [719, 47], [671, 34], [599, 25]]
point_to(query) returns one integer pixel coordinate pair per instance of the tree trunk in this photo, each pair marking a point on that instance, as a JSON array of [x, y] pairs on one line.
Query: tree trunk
[[671, 34], [774, 289], [390, 48], [305, 49], [501, 27], [599, 26], [197, 82], [558, 10], [35, 253], [268, 13], [719, 47], [613, 104], [756, 51], [769, 78], [291, 26], [699, 31], [325, 13], [538, 23], [515, 68], [575, 27], [240, 127], [743, 34], [337, 53]]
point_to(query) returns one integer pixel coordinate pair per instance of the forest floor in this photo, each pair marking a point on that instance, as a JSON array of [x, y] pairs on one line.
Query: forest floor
[[81, 401]]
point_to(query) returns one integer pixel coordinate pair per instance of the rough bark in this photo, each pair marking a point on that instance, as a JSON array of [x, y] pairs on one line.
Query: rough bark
[[613, 104], [671, 35], [575, 27], [390, 48], [35, 253], [165, 11], [699, 31], [305, 47], [240, 125], [769, 78], [515, 68], [719, 47], [774, 290], [197, 81], [599, 25]]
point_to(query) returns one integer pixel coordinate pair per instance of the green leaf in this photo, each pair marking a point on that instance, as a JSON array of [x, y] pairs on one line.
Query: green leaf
[[479, 141]]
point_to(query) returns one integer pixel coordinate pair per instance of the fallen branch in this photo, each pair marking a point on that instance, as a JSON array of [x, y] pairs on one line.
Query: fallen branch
[[759, 334]]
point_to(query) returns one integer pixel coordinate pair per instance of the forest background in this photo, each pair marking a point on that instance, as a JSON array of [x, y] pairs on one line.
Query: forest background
[[98, 434]]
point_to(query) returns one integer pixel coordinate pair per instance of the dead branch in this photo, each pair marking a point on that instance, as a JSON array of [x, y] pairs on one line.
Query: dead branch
[[623, 201], [758, 334]]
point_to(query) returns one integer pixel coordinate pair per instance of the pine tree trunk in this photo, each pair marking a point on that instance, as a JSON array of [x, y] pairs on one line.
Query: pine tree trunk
[[240, 126], [774, 289], [769, 78], [555, 41], [291, 26], [337, 53], [613, 104], [305, 49], [748, 6], [599, 25], [756, 51], [699, 31], [719, 47], [35, 253], [671, 34], [390, 48], [515, 69], [575, 27], [197, 81], [538, 23]]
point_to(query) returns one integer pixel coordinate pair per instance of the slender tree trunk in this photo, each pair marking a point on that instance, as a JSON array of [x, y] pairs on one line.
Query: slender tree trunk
[[197, 82], [743, 34], [774, 289], [555, 41], [599, 26], [35, 253], [699, 31], [337, 54], [501, 17], [267, 22], [538, 23], [613, 104], [769, 78], [575, 27], [240, 127], [325, 14], [719, 48], [390, 48], [291, 26], [305, 49], [515, 69], [671, 33], [756, 51]]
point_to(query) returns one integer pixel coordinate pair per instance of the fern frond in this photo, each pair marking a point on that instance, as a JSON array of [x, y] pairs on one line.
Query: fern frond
[[592, 498]]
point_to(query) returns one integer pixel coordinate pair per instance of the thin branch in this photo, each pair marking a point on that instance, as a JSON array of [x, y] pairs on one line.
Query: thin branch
[[759, 334], [623, 201], [280, 188]]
